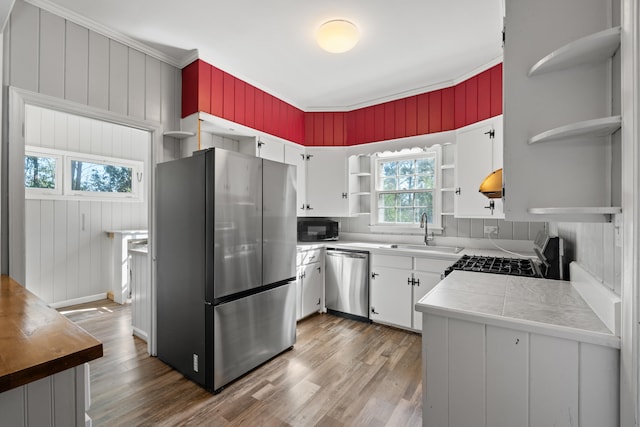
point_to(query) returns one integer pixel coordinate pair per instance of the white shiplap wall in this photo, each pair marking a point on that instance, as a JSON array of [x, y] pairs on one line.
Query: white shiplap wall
[[47, 54], [67, 251]]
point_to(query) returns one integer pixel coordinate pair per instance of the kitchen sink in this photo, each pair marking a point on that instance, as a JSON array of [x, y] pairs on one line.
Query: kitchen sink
[[439, 249]]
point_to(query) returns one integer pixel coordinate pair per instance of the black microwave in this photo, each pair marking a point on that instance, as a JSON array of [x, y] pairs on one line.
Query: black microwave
[[317, 229]]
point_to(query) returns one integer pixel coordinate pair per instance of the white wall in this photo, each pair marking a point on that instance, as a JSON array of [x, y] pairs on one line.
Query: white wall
[[67, 250], [50, 55]]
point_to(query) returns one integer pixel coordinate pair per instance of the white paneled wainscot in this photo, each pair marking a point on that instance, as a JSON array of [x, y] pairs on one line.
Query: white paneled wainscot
[[67, 251], [507, 351]]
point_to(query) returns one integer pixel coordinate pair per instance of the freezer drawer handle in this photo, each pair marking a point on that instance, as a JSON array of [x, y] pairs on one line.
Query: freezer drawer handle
[[373, 310]]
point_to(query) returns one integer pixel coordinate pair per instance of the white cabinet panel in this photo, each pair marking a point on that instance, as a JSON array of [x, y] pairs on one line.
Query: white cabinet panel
[[479, 152], [466, 374], [423, 283], [599, 386], [294, 155], [270, 149], [327, 182], [390, 295], [554, 382], [435, 377], [311, 300], [507, 379]]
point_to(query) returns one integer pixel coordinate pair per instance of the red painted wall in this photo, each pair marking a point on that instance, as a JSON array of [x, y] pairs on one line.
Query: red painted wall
[[211, 90]]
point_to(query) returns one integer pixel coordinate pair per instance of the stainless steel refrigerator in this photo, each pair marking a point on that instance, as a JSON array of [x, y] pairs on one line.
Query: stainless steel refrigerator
[[226, 246]]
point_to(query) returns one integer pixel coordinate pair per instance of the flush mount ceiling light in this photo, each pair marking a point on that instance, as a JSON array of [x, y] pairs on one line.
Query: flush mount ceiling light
[[337, 36]]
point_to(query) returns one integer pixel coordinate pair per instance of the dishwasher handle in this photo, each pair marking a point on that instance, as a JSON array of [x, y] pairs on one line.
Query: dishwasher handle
[[360, 255]]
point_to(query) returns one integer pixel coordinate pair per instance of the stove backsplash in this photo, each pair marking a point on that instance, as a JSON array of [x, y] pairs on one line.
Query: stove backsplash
[[593, 246]]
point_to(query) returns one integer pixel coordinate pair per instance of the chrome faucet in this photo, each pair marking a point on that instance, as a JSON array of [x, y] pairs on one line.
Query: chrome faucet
[[425, 225]]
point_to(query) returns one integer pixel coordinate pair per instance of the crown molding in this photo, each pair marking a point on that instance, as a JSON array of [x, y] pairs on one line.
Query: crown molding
[[106, 31]]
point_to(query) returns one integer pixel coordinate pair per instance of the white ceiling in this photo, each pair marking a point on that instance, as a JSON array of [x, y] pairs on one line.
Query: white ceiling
[[406, 46]]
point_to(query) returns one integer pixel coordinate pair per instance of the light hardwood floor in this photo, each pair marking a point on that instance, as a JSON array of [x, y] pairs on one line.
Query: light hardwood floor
[[339, 373]]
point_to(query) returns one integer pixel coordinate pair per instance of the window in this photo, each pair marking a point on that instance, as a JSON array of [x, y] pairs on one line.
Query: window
[[66, 175], [42, 173], [406, 187]]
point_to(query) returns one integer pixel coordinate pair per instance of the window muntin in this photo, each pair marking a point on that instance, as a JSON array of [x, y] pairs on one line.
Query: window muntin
[[405, 187]]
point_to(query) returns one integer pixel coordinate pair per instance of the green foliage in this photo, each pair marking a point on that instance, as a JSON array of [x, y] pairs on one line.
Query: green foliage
[[88, 176], [39, 172], [408, 186]]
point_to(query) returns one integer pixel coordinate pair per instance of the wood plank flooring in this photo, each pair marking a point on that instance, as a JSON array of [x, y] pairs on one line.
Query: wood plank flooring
[[339, 373]]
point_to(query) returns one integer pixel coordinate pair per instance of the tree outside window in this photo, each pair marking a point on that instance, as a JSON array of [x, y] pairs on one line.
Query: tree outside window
[[40, 172], [406, 189], [88, 176]]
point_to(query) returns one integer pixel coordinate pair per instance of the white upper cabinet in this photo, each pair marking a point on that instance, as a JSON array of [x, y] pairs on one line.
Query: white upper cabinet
[[269, 148], [562, 81], [479, 152], [294, 155], [327, 193]]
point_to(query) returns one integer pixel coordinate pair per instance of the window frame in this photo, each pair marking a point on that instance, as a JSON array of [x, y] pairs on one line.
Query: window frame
[[436, 225], [40, 193], [64, 178]]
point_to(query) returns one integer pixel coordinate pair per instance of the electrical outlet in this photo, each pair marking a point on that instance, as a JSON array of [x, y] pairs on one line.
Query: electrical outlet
[[490, 229]]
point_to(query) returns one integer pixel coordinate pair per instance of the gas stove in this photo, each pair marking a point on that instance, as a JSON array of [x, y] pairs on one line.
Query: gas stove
[[550, 263], [497, 265]]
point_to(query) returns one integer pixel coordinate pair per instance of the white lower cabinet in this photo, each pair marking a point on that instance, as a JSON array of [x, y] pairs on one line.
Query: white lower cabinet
[[397, 283], [390, 295], [485, 375], [311, 289], [310, 282]]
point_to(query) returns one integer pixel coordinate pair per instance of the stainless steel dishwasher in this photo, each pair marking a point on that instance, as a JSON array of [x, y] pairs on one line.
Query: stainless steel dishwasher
[[347, 283]]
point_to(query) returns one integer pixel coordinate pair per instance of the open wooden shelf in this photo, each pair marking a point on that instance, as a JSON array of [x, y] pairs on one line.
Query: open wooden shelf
[[596, 127], [590, 49]]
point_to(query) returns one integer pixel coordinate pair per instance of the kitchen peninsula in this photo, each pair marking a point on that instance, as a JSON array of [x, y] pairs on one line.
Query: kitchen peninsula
[[42, 361], [511, 351]]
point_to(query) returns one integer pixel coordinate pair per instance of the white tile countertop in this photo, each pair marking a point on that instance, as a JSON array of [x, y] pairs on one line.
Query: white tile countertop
[[412, 250], [549, 307]]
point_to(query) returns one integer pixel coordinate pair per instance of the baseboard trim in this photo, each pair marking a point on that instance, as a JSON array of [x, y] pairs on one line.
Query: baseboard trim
[[76, 301]]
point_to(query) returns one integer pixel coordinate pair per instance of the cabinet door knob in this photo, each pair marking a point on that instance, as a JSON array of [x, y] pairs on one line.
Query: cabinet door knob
[[302, 207], [458, 190], [373, 310], [318, 301], [410, 281], [373, 275], [309, 208], [416, 282]]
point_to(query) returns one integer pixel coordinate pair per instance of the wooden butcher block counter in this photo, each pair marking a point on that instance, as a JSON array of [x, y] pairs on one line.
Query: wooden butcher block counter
[[35, 340]]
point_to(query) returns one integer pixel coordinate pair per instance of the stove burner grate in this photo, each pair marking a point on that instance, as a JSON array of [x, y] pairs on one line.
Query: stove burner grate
[[497, 265]]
